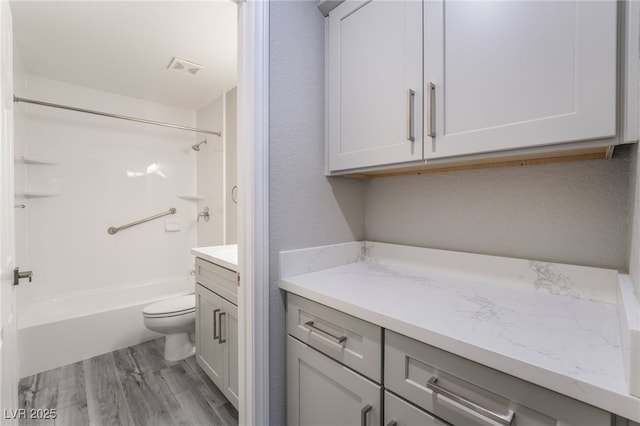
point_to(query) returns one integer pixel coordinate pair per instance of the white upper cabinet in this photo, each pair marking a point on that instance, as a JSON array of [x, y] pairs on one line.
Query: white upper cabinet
[[519, 74], [506, 75], [375, 83]]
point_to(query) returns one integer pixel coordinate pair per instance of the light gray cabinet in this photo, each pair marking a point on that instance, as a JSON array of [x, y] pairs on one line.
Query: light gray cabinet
[[423, 385], [450, 387], [209, 353], [229, 337], [322, 392], [502, 84], [217, 326], [398, 412], [412, 81], [347, 339], [334, 364], [375, 84]]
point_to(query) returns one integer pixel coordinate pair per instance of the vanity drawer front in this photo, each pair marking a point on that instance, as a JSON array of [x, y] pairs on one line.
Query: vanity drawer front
[[409, 365], [349, 340], [398, 412], [220, 280]]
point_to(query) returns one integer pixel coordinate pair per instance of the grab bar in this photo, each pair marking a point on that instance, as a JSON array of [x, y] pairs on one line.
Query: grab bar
[[112, 230]]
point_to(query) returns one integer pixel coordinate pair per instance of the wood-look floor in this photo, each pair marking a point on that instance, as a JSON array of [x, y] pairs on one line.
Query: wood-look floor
[[132, 386]]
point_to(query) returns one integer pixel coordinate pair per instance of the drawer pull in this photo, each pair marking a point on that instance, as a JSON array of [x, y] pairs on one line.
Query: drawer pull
[[363, 414], [215, 324], [338, 339], [411, 95], [220, 339], [431, 105], [392, 423], [505, 420]]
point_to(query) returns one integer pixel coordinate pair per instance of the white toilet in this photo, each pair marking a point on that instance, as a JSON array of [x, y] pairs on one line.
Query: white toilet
[[175, 317]]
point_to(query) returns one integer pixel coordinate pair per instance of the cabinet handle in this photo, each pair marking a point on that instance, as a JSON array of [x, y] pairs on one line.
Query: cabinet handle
[[363, 414], [431, 115], [392, 423], [220, 339], [409, 112], [338, 339], [505, 420], [215, 324]]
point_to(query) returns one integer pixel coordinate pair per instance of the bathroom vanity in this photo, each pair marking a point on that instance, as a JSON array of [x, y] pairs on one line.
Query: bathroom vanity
[[217, 316], [397, 335]]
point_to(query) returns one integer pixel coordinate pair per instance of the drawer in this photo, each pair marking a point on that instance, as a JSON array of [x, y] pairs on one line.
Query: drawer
[[221, 281], [409, 365], [398, 412], [349, 340]]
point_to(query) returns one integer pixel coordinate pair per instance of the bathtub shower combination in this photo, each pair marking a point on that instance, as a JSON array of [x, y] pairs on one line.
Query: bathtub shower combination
[[61, 331], [97, 282]]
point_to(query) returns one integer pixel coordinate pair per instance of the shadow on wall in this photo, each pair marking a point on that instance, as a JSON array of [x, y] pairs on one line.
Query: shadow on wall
[[349, 196], [568, 212]]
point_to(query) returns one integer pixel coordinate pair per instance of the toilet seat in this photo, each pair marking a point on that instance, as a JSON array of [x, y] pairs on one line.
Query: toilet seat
[[175, 306]]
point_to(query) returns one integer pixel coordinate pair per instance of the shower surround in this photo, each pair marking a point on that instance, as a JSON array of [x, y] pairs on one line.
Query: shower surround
[[77, 175]]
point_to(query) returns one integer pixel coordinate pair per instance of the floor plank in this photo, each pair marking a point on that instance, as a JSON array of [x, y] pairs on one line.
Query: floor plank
[[134, 386], [145, 405], [185, 388], [61, 389], [227, 413], [106, 401], [204, 383], [72, 396]]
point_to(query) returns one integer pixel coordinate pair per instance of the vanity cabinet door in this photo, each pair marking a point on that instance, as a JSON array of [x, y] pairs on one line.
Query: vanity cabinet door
[[375, 84], [229, 339], [322, 392], [209, 352], [511, 75]]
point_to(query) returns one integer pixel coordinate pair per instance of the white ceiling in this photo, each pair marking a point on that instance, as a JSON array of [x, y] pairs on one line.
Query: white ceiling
[[125, 47]]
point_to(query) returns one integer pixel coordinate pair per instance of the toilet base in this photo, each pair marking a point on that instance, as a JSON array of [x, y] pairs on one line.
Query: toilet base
[[178, 347]]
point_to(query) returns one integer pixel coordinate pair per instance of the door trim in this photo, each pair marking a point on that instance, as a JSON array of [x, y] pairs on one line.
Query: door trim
[[253, 212]]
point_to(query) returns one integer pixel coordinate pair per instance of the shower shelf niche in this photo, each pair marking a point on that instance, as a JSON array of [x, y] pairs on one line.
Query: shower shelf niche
[[35, 194], [191, 197], [33, 160]]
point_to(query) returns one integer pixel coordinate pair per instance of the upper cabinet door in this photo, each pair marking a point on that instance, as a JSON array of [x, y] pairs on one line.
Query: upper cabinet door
[[375, 83], [514, 74]]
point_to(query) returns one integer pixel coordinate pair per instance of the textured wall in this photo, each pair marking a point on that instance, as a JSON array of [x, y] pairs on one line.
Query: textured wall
[[634, 218], [306, 209], [572, 212]]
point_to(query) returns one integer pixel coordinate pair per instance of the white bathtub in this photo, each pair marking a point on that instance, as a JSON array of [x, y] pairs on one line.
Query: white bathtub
[[61, 331]]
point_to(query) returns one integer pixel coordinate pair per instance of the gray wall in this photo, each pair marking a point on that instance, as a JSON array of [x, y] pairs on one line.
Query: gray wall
[[576, 213], [306, 209], [634, 219], [569, 213]]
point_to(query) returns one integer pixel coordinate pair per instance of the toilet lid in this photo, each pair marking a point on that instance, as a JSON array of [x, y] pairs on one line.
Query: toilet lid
[[172, 306]]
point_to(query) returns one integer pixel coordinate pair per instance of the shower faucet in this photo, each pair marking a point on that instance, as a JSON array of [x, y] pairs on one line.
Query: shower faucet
[[205, 214]]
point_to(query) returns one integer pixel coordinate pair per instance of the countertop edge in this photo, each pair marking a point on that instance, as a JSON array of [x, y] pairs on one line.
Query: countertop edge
[[218, 260]]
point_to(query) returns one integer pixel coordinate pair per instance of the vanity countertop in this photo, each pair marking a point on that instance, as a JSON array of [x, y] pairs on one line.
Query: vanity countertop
[[225, 256], [553, 325]]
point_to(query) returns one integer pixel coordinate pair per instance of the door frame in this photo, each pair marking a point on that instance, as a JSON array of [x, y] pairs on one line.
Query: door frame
[[253, 217], [253, 212]]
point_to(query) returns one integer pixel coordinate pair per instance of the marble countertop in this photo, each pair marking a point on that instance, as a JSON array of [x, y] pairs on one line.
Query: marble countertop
[[225, 256], [552, 325]]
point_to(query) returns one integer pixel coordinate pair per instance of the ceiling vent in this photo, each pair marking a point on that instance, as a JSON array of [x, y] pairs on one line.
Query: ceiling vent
[[182, 65]]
